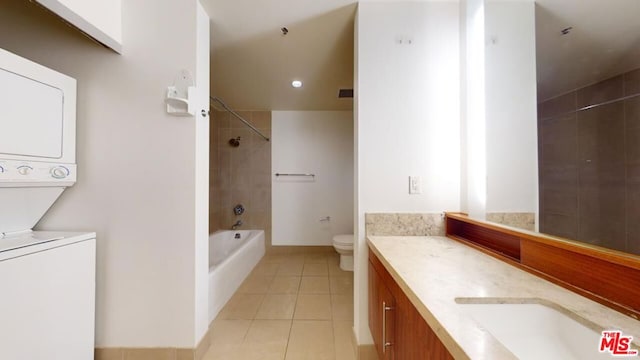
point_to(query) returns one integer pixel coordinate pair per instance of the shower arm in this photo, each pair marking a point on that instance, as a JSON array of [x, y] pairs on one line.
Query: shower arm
[[224, 105]]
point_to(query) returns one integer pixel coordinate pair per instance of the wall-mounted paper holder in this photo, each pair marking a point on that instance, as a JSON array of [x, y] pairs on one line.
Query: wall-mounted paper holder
[[181, 96]]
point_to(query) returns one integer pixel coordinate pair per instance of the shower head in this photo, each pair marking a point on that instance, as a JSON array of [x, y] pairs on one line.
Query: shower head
[[234, 142]]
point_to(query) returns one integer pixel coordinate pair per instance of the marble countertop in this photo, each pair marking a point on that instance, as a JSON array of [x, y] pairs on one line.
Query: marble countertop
[[433, 271]]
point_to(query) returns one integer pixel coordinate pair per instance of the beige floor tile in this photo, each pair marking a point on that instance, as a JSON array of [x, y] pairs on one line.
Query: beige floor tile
[[315, 269], [150, 354], [262, 352], [265, 268], [314, 285], [342, 307], [229, 331], [342, 285], [311, 340], [313, 307], [274, 258], [342, 339], [255, 284], [224, 352], [185, 354], [241, 306], [268, 331], [285, 285], [334, 267], [109, 354], [277, 306], [290, 268], [318, 257]]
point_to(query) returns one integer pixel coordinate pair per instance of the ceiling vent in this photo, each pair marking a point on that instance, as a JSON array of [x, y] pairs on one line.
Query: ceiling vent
[[345, 93]]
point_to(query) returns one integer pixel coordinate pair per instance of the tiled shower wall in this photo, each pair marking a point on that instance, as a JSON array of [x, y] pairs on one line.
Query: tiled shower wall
[[240, 175], [589, 151]]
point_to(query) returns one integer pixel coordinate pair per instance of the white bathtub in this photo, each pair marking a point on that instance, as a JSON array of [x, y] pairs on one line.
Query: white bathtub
[[230, 261]]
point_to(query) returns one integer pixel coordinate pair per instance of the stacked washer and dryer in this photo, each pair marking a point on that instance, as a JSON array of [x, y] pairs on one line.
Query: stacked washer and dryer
[[47, 278]]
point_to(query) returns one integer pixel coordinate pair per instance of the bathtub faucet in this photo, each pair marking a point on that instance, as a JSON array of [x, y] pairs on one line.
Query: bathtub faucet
[[236, 225]]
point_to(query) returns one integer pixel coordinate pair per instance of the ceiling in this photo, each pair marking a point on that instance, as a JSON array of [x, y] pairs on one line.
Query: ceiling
[[253, 64], [604, 42]]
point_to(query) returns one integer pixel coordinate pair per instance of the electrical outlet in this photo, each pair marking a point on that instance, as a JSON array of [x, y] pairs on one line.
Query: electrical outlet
[[415, 185]]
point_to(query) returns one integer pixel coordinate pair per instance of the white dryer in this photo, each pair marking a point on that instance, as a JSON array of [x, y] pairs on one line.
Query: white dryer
[[47, 301]]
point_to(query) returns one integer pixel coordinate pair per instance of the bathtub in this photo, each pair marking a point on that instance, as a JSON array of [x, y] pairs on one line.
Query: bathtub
[[230, 261]]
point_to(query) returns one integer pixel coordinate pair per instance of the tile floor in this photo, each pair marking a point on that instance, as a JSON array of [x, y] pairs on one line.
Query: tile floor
[[292, 306]]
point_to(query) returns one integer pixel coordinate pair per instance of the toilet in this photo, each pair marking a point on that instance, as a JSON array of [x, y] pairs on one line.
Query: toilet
[[344, 246]]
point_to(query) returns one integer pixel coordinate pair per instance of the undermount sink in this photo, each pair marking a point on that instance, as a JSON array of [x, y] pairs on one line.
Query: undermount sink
[[536, 329]]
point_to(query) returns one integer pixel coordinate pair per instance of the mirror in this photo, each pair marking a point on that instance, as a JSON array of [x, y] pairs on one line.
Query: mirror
[[579, 91]]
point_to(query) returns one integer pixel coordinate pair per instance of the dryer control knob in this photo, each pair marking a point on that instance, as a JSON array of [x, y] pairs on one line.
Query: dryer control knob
[[1, 169], [59, 172], [24, 170]]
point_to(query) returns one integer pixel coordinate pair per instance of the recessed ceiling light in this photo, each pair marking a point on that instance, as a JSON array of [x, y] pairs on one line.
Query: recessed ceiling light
[[296, 83]]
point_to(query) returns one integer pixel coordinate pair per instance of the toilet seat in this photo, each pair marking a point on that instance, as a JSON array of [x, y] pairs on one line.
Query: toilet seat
[[343, 240]]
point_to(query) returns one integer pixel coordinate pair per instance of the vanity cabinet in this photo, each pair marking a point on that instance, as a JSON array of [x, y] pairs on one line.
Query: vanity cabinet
[[399, 331]]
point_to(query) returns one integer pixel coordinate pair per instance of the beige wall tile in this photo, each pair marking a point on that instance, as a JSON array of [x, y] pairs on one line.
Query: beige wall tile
[[242, 174], [237, 124], [311, 340], [313, 307], [262, 119], [277, 306], [314, 285]]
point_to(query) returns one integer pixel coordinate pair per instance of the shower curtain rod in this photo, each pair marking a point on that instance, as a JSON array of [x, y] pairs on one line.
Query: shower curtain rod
[[226, 107]]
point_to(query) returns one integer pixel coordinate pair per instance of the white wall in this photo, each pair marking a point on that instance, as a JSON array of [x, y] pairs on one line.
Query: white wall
[[320, 143], [511, 114], [407, 117], [474, 121], [136, 166], [100, 19], [201, 154]]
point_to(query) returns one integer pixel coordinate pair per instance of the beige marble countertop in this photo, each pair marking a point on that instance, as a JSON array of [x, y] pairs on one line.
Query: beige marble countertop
[[433, 271]]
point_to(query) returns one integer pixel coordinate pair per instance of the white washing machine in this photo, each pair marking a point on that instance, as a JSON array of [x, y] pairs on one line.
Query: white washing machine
[[47, 279], [47, 302]]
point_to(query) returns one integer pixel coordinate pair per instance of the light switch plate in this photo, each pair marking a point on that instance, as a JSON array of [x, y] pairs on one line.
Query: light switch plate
[[415, 185]]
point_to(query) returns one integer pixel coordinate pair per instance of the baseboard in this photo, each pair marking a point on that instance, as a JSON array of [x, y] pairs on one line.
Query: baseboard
[[156, 353], [277, 249], [365, 351]]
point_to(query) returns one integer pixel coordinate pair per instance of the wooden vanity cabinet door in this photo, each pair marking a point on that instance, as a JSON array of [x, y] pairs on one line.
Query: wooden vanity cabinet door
[[410, 336], [381, 315]]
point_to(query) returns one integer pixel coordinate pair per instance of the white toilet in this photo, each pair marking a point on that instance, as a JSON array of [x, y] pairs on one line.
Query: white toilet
[[344, 246]]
